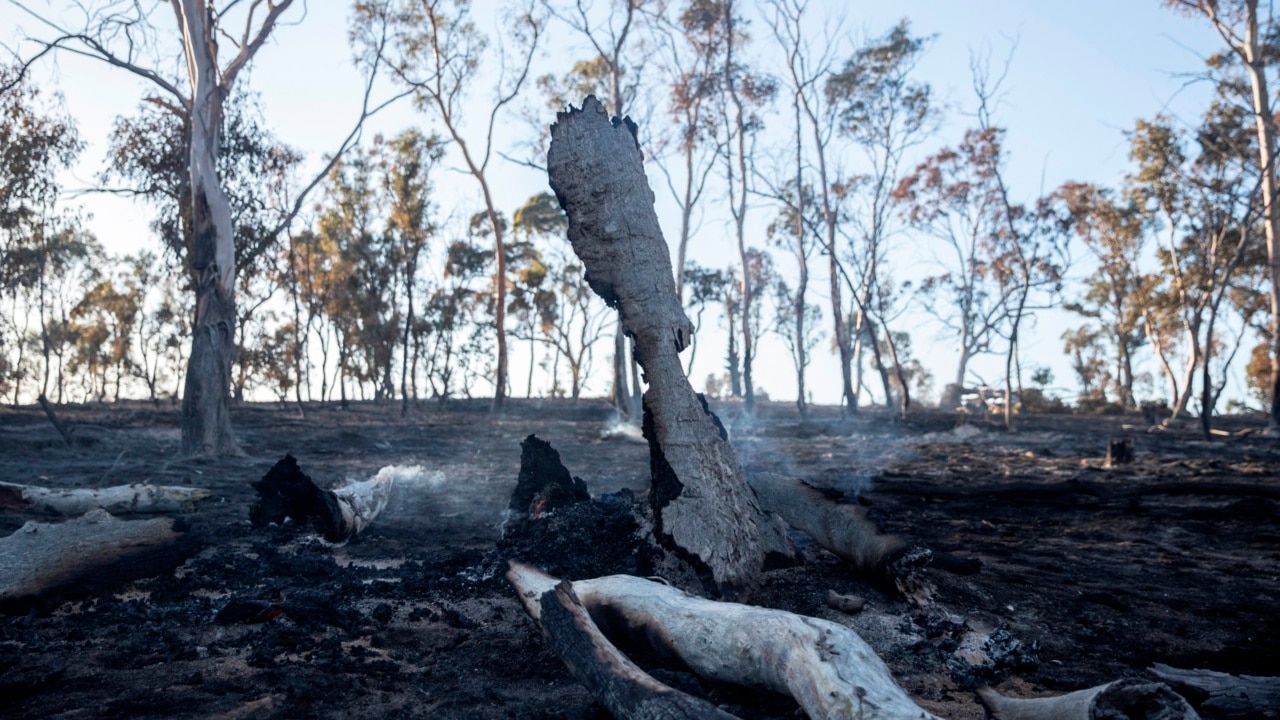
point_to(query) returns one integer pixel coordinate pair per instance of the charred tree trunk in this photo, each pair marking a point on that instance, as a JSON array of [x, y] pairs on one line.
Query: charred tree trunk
[[703, 508]]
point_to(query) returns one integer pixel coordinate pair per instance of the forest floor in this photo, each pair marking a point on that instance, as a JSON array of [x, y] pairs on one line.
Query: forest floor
[[1091, 573]]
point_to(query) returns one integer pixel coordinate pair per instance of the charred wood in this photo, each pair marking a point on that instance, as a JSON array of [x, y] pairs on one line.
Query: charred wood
[[1035, 492], [1231, 696], [846, 531], [702, 507], [544, 483], [1127, 699], [44, 563], [55, 421], [625, 690], [340, 514]]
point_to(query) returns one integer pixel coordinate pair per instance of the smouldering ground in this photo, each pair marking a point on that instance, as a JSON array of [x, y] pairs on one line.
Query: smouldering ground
[[1096, 573]]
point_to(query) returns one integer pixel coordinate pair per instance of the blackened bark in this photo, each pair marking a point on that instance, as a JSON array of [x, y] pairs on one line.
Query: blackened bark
[[206, 401], [705, 511]]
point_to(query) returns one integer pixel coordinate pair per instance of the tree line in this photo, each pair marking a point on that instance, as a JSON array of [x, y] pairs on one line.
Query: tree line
[[355, 283]]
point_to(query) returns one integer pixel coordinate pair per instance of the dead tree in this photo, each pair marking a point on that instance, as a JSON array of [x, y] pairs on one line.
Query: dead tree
[[703, 508]]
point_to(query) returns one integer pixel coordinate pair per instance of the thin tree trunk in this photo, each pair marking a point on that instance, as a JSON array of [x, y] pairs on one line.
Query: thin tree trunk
[[621, 389], [904, 399], [1265, 121], [410, 271], [1155, 340], [802, 258], [740, 211], [206, 412], [703, 508]]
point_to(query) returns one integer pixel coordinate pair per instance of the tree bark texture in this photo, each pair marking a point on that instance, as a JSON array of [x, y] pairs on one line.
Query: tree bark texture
[[829, 670], [703, 508], [1233, 696], [625, 690], [206, 414], [1120, 699], [1265, 120], [41, 563]]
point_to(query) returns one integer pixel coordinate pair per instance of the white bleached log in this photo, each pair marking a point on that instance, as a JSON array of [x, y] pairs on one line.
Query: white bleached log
[[626, 691], [360, 501], [44, 561], [118, 500], [1117, 700], [829, 670]]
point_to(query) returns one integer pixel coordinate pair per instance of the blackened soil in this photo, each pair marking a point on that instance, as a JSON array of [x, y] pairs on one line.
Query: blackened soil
[[1088, 573]]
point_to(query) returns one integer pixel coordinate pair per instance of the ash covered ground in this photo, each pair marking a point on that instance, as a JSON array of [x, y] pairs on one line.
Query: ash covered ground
[[1088, 573]]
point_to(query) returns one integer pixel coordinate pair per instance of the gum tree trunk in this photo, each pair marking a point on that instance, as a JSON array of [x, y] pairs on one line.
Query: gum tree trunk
[[703, 509], [206, 415]]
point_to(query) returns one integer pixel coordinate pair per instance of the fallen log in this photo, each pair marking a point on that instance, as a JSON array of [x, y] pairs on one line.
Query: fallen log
[[626, 691], [827, 668], [703, 510], [1026, 491], [42, 564], [339, 514], [117, 500], [1226, 695], [55, 421], [1128, 698], [845, 530]]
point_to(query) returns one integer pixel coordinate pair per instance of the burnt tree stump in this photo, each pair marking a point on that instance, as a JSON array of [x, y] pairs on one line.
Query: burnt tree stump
[[703, 508]]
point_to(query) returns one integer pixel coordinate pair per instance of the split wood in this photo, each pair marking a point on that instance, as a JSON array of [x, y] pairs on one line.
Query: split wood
[[702, 506], [826, 667]]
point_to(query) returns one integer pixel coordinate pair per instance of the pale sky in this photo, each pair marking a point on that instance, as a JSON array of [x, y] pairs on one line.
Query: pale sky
[[1082, 73]]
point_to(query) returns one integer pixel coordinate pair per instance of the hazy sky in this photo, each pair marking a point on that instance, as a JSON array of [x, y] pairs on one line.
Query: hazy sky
[[1082, 73]]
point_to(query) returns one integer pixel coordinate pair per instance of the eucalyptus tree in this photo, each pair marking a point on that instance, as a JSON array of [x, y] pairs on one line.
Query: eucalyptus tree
[[706, 287], [615, 34], [37, 246], [1114, 231], [437, 53], [1031, 252], [796, 225], [1204, 189], [407, 180], [718, 28], [125, 35], [693, 140], [885, 112], [952, 197], [795, 318], [1247, 30]]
